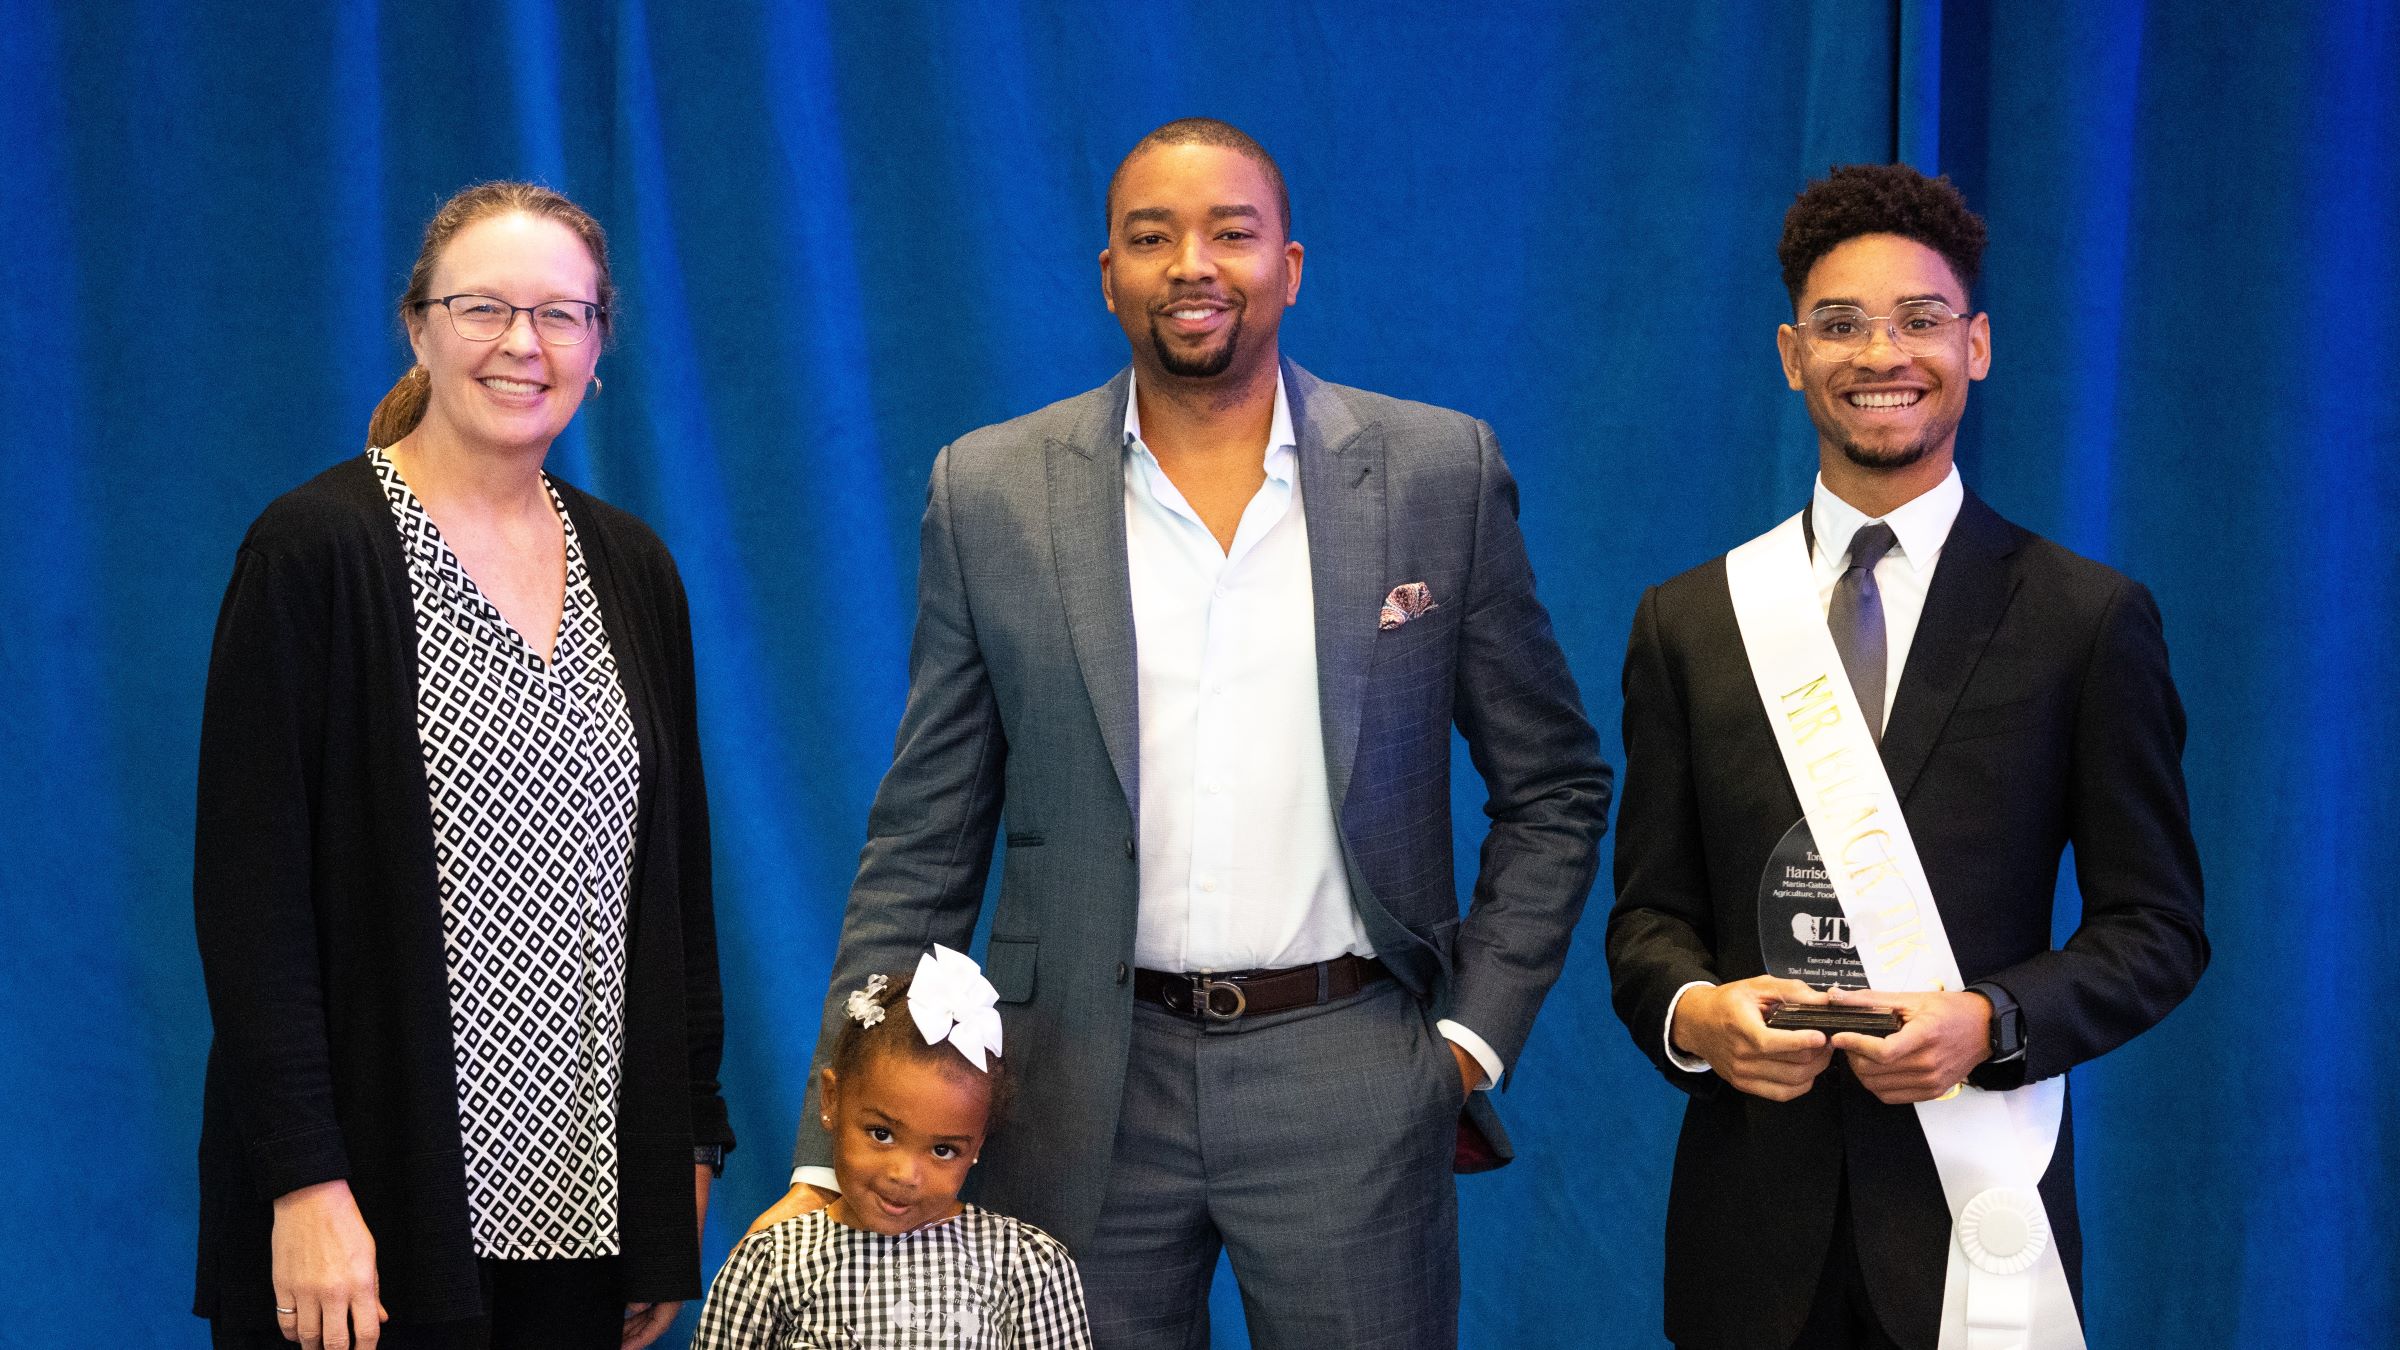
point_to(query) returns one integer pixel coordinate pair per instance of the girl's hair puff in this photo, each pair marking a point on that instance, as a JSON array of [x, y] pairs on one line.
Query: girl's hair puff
[[895, 1033]]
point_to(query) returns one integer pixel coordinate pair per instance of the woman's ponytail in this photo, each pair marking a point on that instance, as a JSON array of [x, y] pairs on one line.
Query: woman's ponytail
[[401, 409]]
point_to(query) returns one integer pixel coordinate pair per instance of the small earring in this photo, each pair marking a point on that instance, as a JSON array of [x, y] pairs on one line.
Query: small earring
[[595, 385], [826, 1121]]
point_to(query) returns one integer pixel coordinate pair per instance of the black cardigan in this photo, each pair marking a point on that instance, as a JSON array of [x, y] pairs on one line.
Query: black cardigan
[[318, 908]]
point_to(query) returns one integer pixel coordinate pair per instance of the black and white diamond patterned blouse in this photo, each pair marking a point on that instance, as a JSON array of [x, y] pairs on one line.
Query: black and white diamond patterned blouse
[[978, 1281], [535, 779]]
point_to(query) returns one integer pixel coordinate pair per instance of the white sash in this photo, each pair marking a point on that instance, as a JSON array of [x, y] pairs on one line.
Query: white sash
[[2005, 1287]]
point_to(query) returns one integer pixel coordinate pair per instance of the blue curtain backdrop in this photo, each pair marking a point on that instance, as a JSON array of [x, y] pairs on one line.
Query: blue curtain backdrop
[[849, 232]]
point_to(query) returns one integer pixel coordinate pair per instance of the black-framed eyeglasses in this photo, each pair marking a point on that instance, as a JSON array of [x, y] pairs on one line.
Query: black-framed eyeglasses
[[481, 318], [1919, 327]]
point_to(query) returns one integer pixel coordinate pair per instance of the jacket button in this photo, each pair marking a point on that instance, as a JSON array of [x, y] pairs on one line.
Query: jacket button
[[1129, 849], [1122, 973]]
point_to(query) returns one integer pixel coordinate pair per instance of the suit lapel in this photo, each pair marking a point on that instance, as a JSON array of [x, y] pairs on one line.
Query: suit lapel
[[1342, 499], [1087, 539], [1971, 590]]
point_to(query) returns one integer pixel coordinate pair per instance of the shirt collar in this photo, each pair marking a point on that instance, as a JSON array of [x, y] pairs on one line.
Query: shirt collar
[[1921, 524], [1282, 445]]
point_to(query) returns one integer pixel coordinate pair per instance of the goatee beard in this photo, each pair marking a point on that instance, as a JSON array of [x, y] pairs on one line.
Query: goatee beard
[[1887, 459], [1206, 365]]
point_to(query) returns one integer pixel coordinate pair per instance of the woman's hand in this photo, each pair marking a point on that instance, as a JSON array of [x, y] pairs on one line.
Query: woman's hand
[[646, 1322], [324, 1270]]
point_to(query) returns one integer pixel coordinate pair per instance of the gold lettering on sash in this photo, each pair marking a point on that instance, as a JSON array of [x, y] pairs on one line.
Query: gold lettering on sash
[[1814, 712], [1872, 872], [1848, 804], [1838, 786], [1883, 837], [1900, 949], [1899, 924]]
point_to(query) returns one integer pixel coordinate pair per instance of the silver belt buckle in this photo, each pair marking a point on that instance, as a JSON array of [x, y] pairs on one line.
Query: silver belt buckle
[[1204, 998]]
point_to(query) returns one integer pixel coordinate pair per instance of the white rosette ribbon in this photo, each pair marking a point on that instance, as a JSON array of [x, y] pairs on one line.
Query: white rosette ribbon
[[952, 1001], [2004, 1230]]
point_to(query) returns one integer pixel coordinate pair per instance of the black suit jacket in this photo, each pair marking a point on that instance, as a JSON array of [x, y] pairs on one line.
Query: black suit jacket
[[2035, 711]]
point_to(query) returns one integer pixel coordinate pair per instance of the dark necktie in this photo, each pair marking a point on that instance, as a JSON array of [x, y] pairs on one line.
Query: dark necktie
[[1856, 618]]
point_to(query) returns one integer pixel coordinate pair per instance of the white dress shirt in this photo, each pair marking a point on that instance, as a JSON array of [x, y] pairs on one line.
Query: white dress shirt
[[1241, 866], [1922, 525]]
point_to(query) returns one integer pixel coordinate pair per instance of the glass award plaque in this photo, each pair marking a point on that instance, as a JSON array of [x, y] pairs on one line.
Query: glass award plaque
[[1801, 932]]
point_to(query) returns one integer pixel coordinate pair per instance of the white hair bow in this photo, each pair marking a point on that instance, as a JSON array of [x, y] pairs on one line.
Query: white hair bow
[[952, 1001]]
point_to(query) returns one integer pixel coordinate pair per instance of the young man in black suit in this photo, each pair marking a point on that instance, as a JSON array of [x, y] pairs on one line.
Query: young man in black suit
[[2019, 700]]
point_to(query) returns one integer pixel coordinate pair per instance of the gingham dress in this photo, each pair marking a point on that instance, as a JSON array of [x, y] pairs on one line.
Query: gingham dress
[[535, 776], [979, 1281]]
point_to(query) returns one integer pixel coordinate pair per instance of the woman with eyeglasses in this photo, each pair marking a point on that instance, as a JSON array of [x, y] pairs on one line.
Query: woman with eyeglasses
[[452, 867]]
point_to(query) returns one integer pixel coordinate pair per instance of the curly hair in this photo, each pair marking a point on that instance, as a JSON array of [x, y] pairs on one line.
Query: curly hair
[[895, 1033], [1856, 199]]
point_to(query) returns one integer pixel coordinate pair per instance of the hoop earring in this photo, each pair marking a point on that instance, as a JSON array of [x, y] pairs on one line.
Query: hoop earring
[[595, 386]]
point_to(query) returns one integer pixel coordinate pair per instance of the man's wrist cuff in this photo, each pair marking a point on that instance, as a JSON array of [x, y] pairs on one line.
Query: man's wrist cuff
[[1687, 1063], [1464, 1037]]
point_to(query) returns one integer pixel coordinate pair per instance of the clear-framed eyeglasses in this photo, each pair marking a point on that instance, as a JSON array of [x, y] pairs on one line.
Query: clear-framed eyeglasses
[[1919, 328], [481, 318]]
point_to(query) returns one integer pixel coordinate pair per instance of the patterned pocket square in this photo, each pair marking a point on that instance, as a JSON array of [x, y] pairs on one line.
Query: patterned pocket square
[[1407, 601]]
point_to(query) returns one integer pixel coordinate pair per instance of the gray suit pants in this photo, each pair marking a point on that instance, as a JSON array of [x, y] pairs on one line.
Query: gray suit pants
[[1314, 1147]]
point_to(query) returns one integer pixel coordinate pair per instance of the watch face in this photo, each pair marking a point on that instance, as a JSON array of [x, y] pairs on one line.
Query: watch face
[[2008, 1032], [2007, 1036]]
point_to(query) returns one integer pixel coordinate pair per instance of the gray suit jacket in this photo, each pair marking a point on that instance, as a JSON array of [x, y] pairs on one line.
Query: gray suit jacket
[[1022, 707]]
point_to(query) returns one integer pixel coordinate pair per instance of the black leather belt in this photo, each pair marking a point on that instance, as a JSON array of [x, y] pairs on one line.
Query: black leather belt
[[1255, 993]]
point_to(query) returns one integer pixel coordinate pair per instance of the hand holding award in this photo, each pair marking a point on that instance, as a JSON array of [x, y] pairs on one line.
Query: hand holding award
[[1726, 1025], [1942, 1037]]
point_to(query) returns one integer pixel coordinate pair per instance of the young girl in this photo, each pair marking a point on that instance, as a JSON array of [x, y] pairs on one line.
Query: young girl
[[916, 1081]]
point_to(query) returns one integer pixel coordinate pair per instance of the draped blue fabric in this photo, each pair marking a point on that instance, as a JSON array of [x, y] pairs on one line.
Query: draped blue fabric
[[848, 232]]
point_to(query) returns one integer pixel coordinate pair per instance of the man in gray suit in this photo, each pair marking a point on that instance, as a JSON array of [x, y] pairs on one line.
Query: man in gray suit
[[1198, 639]]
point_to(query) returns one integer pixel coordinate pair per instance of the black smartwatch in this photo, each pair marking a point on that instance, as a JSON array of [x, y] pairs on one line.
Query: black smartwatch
[[710, 1156], [2008, 1023]]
